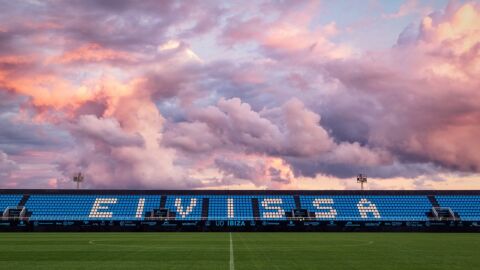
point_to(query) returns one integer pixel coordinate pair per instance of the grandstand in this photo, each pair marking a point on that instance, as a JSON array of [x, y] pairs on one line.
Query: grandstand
[[238, 210]]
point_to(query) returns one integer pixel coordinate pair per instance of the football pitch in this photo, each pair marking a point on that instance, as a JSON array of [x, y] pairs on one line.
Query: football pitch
[[239, 251]]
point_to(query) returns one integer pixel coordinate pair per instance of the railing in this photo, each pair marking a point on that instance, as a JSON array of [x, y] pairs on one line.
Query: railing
[[438, 216], [6, 213], [435, 213]]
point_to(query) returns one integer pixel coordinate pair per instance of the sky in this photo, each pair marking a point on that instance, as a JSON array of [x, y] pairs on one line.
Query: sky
[[205, 94]]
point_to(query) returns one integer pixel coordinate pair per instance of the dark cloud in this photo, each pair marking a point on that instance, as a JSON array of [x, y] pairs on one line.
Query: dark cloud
[[236, 168], [19, 133]]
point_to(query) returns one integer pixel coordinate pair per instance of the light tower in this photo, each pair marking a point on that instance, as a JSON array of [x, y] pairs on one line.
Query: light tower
[[361, 179], [78, 178]]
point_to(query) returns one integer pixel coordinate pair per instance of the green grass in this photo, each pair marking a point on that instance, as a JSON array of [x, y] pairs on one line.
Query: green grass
[[385, 251]]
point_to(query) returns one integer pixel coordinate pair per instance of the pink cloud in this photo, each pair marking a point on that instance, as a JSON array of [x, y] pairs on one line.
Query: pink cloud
[[425, 91], [92, 53], [107, 130], [125, 97], [289, 35], [291, 130], [407, 8]]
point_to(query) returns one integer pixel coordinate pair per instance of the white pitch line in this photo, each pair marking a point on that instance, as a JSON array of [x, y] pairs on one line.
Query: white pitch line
[[232, 263]]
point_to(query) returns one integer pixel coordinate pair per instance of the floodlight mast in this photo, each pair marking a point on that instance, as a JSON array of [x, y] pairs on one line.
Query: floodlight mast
[[78, 178], [361, 179]]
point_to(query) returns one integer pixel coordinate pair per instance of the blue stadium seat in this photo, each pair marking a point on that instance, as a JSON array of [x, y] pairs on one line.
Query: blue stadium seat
[[241, 207], [467, 206], [358, 208], [223, 207], [185, 207], [275, 206], [9, 200], [90, 207]]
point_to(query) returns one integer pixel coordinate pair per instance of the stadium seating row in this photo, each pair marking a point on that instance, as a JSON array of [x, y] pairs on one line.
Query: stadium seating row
[[8, 200], [468, 207], [240, 207]]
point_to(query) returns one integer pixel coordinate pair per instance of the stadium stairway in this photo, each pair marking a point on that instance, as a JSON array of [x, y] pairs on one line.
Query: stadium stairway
[[18, 211], [255, 208], [24, 200], [205, 204], [441, 212], [433, 200], [296, 198], [22, 203], [163, 201]]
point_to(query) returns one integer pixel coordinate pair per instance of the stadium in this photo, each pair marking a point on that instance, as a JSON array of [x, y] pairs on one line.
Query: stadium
[[176, 134], [241, 229]]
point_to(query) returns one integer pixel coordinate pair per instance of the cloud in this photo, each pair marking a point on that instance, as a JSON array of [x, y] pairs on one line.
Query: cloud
[[107, 130], [288, 132], [261, 171], [92, 53], [288, 35], [422, 92], [180, 136], [6, 165], [407, 8], [182, 50], [120, 90], [124, 148], [305, 135]]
